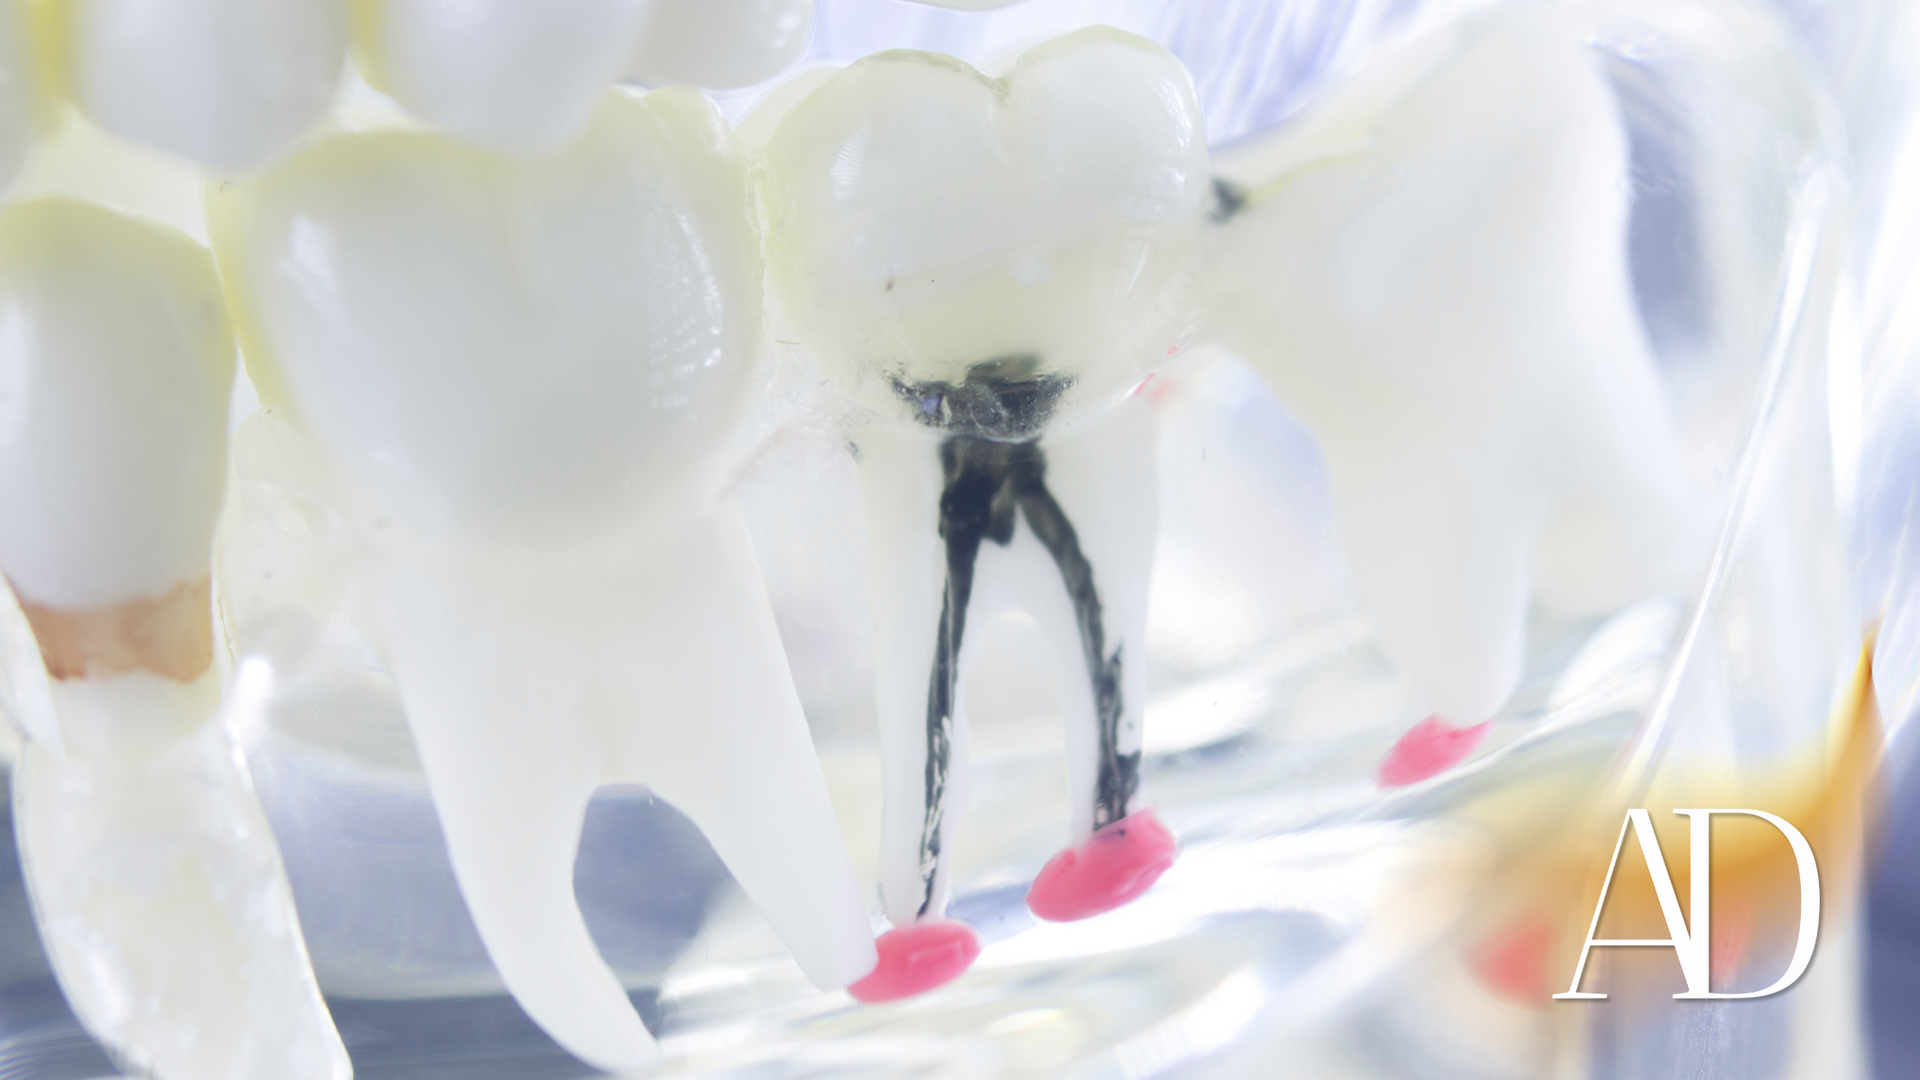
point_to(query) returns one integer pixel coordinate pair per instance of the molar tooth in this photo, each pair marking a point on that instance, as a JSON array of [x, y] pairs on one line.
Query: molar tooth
[[720, 44], [1431, 269], [531, 370], [991, 259], [522, 76], [115, 368], [908, 195], [228, 83]]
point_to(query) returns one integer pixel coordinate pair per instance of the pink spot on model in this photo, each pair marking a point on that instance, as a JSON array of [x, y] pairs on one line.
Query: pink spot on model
[[914, 959], [1429, 748], [1513, 961], [1117, 863]]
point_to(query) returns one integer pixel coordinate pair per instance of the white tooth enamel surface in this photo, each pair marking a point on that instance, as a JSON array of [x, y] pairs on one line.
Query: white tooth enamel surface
[[1431, 270], [1102, 473], [531, 369], [721, 44], [923, 217], [518, 75], [18, 90], [115, 368], [434, 313], [227, 83]]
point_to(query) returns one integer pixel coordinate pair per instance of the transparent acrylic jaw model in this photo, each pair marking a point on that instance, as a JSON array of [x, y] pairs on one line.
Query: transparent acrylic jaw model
[[1315, 916]]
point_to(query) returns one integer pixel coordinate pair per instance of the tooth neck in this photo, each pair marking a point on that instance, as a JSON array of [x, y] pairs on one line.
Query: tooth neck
[[169, 636]]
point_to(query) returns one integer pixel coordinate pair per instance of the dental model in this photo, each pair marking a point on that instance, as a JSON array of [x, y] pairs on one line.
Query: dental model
[[985, 262], [530, 371], [1431, 270], [226, 83], [158, 888]]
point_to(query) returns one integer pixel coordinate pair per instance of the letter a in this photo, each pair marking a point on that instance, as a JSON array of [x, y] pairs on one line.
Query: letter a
[[1691, 947]]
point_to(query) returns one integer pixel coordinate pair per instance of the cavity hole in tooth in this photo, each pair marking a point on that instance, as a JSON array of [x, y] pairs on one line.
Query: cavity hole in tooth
[[1115, 865], [1428, 749]]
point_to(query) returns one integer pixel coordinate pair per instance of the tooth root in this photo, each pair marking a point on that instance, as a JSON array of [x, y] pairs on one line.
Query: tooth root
[[507, 73], [474, 672], [730, 746], [900, 488], [720, 44], [960, 527], [1102, 476], [117, 366], [1436, 281], [227, 83]]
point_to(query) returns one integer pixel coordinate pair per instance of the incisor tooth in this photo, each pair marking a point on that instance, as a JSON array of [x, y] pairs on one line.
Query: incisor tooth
[[158, 887], [521, 76], [227, 83], [531, 369], [1431, 269], [981, 261]]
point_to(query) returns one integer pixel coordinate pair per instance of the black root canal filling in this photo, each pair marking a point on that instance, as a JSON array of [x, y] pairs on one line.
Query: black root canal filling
[[994, 469]]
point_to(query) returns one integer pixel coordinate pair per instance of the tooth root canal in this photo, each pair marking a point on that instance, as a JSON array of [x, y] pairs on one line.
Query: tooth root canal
[[988, 262], [115, 372], [1060, 527]]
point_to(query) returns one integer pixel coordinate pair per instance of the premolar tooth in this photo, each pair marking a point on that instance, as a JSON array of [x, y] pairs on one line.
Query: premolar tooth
[[983, 260], [228, 83], [721, 44], [522, 76], [1433, 273], [532, 370], [115, 368]]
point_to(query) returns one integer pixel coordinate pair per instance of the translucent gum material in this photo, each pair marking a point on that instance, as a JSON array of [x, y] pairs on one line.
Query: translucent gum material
[[1428, 749], [1111, 869], [917, 958]]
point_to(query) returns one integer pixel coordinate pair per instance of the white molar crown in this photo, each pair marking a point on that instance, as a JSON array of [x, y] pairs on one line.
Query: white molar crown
[[720, 44], [508, 349], [924, 218], [1431, 268], [115, 370], [227, 83]]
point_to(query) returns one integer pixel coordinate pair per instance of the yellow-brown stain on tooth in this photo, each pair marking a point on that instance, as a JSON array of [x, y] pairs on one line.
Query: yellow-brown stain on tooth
[[169, 635]]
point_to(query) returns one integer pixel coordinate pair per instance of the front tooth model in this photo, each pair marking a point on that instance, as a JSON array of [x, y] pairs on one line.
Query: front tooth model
[[1431, 269], [530, 370], [226, 83], [157, 885], [984, 261]]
